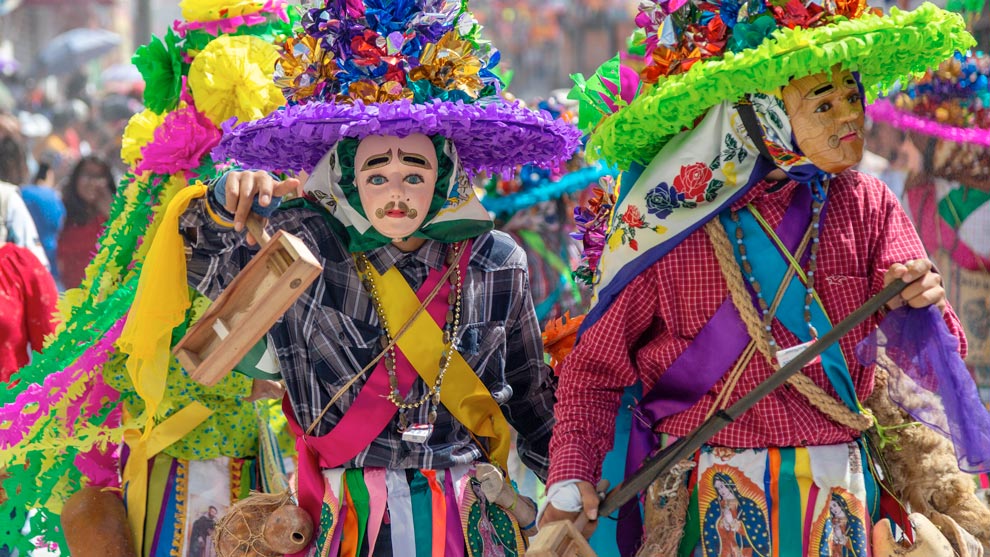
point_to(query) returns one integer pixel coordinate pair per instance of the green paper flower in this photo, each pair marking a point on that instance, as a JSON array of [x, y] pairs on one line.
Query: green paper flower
[[160, 63]]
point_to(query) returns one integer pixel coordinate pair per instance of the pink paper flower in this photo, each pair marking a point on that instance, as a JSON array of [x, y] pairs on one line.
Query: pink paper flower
[[180, 143]]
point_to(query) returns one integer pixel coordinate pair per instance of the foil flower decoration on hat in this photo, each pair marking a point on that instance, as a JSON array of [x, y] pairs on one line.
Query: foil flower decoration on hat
[[395, 67], [680, 33], [956, 94], [305, 68], [449, 63], [379, 51], [592, 223]]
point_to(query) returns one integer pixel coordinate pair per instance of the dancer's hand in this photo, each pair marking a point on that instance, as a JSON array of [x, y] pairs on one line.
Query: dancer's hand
[[926, 290], [589, 502], [243, 187], [264, 388]]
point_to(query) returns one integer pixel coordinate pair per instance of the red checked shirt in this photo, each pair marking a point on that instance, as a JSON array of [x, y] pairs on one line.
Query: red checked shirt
[[864, 232]]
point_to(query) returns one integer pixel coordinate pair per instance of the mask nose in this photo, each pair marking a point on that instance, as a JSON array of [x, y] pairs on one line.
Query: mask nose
[[394, 184], [850, 112]]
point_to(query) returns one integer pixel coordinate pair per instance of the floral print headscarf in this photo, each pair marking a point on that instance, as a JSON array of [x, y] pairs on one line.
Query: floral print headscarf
[[692, 179]]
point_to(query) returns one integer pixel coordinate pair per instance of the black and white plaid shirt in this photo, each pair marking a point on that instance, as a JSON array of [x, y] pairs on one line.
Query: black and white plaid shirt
[[332, 332]]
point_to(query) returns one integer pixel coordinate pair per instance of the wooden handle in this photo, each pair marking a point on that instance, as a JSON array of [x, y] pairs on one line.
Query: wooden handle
[[256, 226], [582, 518]]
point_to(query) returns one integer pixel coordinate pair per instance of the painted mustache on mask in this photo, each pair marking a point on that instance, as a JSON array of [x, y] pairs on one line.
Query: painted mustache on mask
[[391, 206]]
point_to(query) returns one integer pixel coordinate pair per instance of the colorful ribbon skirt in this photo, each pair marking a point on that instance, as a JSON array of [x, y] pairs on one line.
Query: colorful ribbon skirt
[[414, 513]]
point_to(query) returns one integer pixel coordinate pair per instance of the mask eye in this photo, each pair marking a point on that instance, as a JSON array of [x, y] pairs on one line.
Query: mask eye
[[824, 107], [415, 179], [377, 180], [855, 98]]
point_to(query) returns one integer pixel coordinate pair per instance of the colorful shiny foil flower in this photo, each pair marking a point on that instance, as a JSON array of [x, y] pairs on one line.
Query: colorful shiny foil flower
[[450, 64], [679, 33], [369, 91], [306, 68]]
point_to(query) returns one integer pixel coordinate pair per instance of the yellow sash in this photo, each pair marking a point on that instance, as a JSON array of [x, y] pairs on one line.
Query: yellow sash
[[463, 393], [159, 306]]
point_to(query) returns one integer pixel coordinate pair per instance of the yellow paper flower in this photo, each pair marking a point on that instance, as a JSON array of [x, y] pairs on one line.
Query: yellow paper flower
[[232, 76], [210, 10], [139, 132]]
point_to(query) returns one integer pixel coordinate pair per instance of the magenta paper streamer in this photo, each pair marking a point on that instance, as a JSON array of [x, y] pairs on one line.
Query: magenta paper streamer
[[884, 111], [230, 24], [101, 465], [37, 401]]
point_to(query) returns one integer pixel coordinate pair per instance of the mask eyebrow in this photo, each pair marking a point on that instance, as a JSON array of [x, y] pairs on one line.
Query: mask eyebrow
[[821, 90], [376, 161], [413, 159]]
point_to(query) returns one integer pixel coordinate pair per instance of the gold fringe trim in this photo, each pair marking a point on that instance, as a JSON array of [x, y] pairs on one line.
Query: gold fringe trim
[[236, 466], [181, 489]]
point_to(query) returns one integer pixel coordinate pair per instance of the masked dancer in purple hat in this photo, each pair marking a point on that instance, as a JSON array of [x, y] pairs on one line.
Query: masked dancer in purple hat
[[393, 107]]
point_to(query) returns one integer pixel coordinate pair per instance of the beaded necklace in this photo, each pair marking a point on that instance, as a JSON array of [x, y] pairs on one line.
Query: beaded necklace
[[819, 194], [453, 321]]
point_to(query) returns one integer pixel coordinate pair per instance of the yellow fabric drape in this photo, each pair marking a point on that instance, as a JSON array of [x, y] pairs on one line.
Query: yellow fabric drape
[[160, 305], [143, 447], [463, 393]]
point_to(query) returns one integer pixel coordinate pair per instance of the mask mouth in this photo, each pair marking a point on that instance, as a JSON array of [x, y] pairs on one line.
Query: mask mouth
[[853, 133], [396, 210], [848, 132]]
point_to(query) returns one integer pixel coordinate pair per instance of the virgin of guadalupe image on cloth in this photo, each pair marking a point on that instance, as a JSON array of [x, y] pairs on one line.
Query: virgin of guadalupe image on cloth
[[734, 514], [207, 498], [840, 530], [488, 530]]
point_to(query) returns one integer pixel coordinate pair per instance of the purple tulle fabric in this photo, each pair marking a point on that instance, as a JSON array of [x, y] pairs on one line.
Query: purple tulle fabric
[[494, 137], [929, 380]]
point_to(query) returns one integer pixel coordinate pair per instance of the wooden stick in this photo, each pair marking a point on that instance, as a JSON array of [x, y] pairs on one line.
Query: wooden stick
[[279, 261], [661, 463], [256, 226]]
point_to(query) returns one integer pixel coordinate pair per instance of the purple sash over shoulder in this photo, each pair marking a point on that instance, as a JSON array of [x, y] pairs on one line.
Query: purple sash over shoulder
[[719, 343]]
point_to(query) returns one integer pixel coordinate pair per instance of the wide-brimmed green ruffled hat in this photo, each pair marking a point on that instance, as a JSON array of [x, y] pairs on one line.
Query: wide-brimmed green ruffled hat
[[702, 53]]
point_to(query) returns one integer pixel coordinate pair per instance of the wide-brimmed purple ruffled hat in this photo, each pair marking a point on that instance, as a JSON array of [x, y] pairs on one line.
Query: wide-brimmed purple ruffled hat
[[396, 68]]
